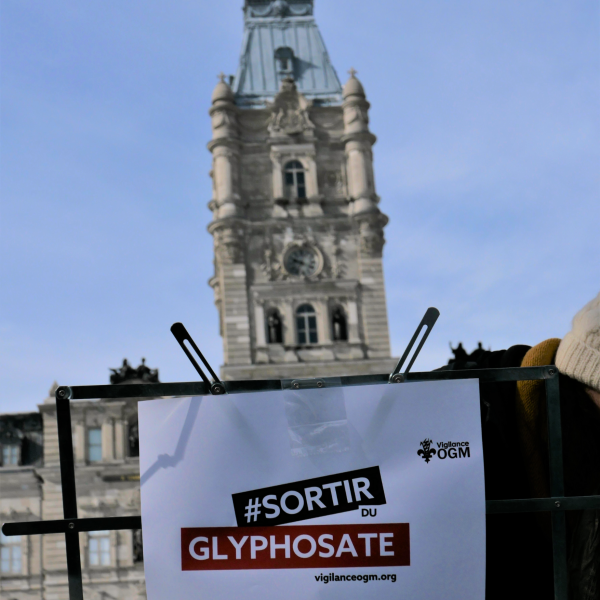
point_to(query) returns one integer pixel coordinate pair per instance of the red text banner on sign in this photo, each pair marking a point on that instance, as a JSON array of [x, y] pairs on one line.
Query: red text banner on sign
[[295, 547]]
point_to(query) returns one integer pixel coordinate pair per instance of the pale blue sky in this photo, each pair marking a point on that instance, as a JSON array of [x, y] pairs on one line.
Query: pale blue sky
[[487, 117]]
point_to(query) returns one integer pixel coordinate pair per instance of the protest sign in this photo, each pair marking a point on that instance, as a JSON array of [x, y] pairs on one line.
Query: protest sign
[[364, 491]]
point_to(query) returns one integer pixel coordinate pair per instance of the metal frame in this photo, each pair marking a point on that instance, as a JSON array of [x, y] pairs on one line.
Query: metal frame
[[71, 525]]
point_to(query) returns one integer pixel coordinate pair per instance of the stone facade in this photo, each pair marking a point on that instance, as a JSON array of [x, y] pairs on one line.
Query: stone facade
[[21, 446], [105, 445], [298, 234]]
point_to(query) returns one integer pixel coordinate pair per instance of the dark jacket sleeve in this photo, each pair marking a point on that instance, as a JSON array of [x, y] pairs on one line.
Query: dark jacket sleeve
[[518, 557]]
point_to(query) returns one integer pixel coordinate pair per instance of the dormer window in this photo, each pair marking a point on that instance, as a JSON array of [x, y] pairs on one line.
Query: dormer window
[[295, 186], [284, 58]]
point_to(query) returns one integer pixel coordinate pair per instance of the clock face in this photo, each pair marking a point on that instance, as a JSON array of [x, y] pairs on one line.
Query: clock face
[[301, 261]]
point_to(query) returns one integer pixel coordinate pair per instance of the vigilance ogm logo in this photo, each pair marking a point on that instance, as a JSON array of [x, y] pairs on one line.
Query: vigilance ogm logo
[[444, 450]]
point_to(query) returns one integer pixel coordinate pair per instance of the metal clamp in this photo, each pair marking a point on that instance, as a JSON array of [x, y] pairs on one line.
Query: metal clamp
[[181, 334], [303, 384], [64, 392], [428, 320]]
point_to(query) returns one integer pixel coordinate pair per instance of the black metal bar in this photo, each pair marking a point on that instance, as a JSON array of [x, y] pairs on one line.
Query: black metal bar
[[256, 385], [558, 505], [486, 375], [69, 494], [559, 556], [181, 335], [557, 487], [64, 525], [135, 522], [67, 464], [428, 320], [74, 566], [196, 388], [142, 390]]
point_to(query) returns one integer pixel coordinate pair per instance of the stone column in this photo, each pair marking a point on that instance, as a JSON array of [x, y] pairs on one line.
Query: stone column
[[352, 323], [228, 229], [367, 217], [80, 442], [289, 324], [120, 439], [323, 321], [277, 164], [259, 324], [108, 432], [374, 309], [358, 141], [225, 150], [230, 267], [313, 208]]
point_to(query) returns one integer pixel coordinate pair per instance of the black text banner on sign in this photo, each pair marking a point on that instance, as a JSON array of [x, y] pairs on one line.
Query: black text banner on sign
[[310, 498]]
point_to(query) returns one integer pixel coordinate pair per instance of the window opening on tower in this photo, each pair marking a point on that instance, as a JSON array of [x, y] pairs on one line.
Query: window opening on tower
[[295, 186], [133, 438], [306, 324], [339, 325], [274, 327]]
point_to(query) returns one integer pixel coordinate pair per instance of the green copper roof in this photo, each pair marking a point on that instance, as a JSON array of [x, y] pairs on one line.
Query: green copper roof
[[281, 39]]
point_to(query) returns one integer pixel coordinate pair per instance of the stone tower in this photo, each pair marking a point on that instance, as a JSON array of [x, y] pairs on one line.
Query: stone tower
[[298, 234]]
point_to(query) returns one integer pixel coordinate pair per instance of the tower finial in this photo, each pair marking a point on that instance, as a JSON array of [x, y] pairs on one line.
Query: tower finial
[[221, 77], [352, 72]]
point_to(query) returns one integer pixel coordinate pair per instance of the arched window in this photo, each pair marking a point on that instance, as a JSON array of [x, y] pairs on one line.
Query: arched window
[[339, 325], [306, 324], [295, 186], [274, 327]]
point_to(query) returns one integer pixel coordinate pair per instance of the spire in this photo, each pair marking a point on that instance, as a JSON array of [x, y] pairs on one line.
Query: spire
[[353, 86], [282, 40], [222, 91]]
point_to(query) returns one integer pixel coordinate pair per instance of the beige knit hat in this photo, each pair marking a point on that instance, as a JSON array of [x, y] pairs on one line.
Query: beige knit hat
[[578, 355]]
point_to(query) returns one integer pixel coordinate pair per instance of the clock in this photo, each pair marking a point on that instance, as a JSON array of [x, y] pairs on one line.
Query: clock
[[301, 260]]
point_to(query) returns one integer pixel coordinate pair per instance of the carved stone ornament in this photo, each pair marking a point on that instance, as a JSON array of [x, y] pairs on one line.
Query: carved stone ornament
[[221, 118], [289, 111], [356, 113], [270, 266], [371, 238], [338, 267], [281, 8], [333, 182], [228, 245]]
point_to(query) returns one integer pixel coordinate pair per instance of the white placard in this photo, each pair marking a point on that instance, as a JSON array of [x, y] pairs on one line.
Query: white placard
[[426, 541]]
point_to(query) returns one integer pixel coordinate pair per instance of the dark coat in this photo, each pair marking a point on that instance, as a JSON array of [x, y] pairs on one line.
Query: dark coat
[[519, 547]]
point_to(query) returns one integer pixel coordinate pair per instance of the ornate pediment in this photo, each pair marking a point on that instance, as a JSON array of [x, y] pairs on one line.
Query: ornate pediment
[[278, 8], [289, 111]]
